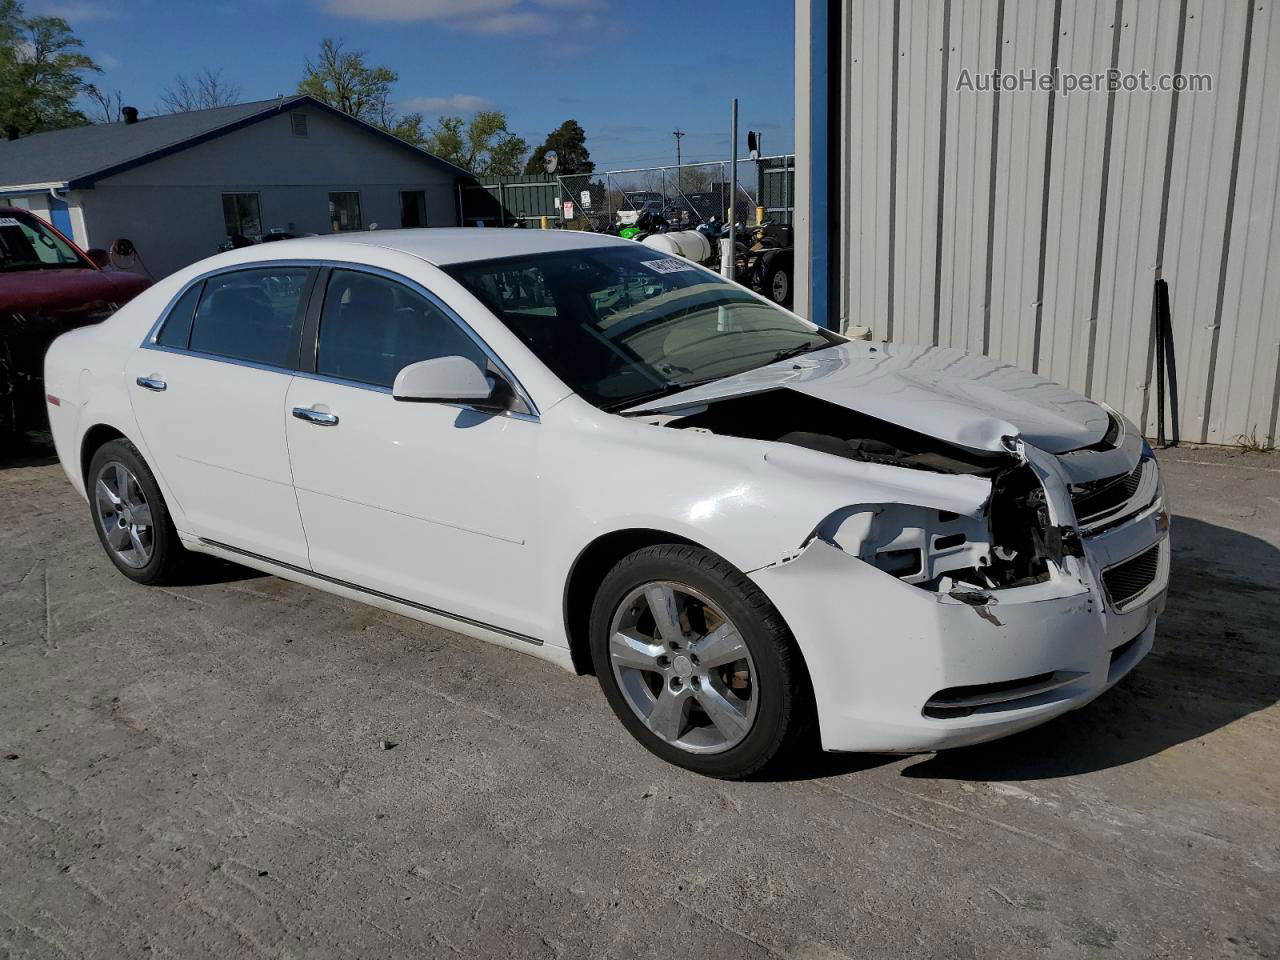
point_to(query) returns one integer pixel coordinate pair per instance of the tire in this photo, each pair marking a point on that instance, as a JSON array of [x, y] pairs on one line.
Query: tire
[[777, 283], [164, 559], [772, 710]]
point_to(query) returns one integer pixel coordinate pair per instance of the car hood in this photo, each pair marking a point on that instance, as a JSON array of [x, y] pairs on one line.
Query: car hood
[[965, 399], [68, 288]]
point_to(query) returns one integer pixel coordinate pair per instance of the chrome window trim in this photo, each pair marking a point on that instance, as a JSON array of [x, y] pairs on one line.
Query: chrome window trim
[[252, 364], [150, 342]]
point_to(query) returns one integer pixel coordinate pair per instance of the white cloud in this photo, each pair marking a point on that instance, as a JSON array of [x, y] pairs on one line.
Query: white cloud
[[474, 16], [77, 11], [458, 103], [406, 10]]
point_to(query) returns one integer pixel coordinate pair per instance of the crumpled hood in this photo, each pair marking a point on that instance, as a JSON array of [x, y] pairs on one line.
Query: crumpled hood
[[965, 399]]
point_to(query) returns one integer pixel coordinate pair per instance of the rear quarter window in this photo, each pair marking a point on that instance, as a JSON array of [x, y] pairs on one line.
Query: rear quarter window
[[176, 331]]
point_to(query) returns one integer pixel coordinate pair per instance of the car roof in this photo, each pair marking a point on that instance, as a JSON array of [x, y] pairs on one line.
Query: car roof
[[446, 245]]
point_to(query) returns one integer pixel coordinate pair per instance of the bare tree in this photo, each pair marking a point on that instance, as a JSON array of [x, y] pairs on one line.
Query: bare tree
[[106, 106], [202, 91]]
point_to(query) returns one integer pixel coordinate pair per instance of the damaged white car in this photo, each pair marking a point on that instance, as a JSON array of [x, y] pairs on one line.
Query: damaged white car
[[581, 448]]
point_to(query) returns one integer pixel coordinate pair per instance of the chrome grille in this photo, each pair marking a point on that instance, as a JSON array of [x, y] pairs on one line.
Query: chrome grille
[[1125, 582], [1108, 501]]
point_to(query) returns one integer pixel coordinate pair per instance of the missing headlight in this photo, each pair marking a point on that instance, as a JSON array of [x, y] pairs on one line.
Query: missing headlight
[[900, 563]]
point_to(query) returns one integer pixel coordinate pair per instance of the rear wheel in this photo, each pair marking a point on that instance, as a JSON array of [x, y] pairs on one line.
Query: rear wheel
[[777, 283], [130, 515], [697, 664]]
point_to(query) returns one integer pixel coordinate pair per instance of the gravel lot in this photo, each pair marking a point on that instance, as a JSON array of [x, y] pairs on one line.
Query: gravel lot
[[201, 772]]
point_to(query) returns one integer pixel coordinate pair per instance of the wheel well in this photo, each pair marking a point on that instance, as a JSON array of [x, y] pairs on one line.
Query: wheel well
[[782, 258], [94, 438], [589, 570]]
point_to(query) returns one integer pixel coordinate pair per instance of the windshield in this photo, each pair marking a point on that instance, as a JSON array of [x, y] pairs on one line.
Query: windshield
[[622, 325], [30, 245]]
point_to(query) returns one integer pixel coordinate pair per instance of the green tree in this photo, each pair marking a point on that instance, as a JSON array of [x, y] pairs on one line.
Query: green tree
[[342, 79], [569, 141], [41, 71], [485, 147]]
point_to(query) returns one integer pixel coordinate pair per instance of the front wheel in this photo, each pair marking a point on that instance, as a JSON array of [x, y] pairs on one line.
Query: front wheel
[[697, 664]]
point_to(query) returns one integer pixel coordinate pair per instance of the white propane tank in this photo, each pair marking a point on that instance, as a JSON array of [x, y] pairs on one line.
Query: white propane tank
[[689, 244]]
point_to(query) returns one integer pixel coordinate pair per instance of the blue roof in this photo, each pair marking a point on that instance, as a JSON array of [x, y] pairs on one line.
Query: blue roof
[[79, 156]]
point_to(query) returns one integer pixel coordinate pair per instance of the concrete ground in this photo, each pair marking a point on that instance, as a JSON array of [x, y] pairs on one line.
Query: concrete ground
[[198, 772]]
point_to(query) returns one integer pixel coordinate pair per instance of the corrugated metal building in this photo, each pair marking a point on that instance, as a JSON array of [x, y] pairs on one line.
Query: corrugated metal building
[[939, 206]]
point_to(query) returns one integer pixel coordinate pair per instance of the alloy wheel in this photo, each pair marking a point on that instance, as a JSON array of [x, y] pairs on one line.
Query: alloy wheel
[[683, 667], [124, 514]]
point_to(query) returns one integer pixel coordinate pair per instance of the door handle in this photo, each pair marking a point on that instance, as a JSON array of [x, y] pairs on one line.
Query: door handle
[[151, 383], [318, 417]]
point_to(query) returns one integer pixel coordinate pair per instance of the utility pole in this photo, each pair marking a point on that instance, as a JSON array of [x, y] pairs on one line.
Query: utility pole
[[733, 189], [678, 133]]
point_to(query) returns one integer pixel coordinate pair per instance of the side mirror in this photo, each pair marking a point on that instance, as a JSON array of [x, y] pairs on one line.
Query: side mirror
[[451, 380], [99, 257]]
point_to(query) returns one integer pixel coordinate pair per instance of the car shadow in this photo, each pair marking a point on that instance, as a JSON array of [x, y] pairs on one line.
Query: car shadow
[[30, 449], [1213, 663], [35, 449], [203, 570]]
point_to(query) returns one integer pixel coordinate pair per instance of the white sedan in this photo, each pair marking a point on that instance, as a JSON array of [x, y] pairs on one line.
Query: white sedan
[[584, 449]]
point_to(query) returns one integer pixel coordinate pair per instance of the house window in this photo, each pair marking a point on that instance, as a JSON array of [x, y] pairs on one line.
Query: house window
[[241, 215], [298, 122], [413, 208], [344, 211]]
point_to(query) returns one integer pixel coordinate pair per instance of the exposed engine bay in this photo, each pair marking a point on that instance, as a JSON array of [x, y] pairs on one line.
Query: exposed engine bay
[[1010, 544]]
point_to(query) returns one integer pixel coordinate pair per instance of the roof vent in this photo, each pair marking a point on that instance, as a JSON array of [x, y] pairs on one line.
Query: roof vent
[[299, 121], [130, 114]]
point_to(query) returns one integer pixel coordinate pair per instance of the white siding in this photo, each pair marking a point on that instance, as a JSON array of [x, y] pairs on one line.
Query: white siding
[[1033, 225], [171, 208]]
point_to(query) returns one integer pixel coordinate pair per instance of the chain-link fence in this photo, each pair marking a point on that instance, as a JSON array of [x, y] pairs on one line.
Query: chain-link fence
[[684, 195]]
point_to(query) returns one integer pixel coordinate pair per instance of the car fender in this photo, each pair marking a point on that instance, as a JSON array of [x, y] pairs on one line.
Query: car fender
[[784, 256], [754, 503]]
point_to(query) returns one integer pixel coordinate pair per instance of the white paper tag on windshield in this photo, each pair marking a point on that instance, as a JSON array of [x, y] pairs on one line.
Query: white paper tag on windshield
[[9, 222], [668, 265]]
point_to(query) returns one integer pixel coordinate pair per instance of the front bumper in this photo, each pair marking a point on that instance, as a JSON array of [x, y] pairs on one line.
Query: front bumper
[[878, 650]]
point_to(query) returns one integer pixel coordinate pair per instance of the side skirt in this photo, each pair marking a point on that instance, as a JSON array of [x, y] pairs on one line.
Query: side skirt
[[418, 611]]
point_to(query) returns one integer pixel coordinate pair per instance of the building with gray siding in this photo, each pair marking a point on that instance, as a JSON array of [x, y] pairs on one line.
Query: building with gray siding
[[177, 186], [1029, 220]]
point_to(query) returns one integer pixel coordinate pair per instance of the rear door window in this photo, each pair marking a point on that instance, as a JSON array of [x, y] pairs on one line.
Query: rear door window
[[250, 315]]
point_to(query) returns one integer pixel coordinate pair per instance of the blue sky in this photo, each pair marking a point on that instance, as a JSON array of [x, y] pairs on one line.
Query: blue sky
[[630, 71]]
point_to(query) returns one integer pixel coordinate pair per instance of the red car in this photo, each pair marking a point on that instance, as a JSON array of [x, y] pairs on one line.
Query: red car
[[48, 285]]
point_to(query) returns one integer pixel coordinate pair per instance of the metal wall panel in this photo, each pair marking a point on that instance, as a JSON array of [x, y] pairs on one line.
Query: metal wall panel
[[1032, 224], [867, 204], [1021, 151], [1132, 239], [1244, 395]]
